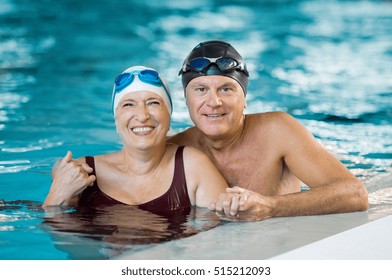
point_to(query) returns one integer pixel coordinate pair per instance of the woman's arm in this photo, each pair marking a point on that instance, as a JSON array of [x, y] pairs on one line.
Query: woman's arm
[[204, 181]]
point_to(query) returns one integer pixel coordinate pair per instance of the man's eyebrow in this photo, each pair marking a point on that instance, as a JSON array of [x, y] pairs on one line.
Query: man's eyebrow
[[228, 84], [198, 84]]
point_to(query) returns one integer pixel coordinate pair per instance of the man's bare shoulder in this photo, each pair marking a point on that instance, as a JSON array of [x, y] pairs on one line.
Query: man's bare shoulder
[[269, 116], [187, 137], [268, 120], [281, 129]]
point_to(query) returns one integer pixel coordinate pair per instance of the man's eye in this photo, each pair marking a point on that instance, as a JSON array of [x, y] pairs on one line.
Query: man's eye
[[227, 89], [201, 90]]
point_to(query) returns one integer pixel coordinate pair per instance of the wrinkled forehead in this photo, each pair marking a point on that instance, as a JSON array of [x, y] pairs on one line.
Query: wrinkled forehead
[[140, 95], [214, 81]]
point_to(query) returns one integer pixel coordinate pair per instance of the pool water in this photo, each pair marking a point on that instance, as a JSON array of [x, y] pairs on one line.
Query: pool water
[[328, 63]]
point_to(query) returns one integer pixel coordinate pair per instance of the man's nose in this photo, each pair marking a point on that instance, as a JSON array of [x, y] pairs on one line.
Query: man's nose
[[214, 99]]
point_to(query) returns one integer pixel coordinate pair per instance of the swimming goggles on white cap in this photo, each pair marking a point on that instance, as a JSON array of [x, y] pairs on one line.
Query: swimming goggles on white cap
[[140, 78]]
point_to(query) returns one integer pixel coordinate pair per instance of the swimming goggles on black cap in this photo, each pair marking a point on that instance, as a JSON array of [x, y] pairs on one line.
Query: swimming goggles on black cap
[[214, 58], [202, 64]]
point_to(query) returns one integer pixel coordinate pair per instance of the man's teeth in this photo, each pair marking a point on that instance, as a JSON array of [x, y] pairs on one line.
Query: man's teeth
[[214, 115], [141, 129]]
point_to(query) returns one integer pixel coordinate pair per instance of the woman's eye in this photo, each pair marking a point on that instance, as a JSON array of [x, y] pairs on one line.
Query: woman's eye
[[127, 104], [155, 102]]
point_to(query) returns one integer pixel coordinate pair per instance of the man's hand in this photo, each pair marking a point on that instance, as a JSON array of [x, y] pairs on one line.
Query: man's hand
[[70, 178], [239, 204]]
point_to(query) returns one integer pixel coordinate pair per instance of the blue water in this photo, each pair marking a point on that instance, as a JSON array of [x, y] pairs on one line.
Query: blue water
[[328, 63]]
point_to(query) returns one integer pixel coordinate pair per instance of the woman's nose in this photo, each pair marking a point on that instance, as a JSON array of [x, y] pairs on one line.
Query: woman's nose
[[142, 113]]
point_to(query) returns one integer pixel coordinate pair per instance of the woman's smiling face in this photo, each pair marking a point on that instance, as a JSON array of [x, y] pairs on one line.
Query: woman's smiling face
[[142, 119]]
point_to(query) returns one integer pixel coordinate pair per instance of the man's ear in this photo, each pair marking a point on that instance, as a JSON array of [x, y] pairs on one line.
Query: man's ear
[[186, 99]]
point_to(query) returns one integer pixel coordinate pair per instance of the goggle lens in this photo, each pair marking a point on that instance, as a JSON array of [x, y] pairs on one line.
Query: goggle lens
[[227, 63], [123, 80], [149, 75], [198, 64]]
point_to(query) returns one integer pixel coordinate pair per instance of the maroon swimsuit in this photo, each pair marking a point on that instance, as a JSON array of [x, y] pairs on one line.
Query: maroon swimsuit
[[176, 198]]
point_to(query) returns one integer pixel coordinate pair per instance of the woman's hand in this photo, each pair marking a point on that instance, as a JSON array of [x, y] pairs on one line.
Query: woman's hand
[[239, 204], [69, 180]]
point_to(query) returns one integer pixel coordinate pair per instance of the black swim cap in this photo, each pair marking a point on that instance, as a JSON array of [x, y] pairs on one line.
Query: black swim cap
[[207, 63]]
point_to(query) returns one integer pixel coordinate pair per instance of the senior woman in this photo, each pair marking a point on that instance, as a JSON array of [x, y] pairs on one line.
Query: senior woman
[[147, 171]]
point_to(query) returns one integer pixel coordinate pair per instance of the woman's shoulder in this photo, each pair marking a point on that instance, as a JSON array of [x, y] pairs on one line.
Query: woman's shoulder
[[189, 153], [107, 158], [194, 156]]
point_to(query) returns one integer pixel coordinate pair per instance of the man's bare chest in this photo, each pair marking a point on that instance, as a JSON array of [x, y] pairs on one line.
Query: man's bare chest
[[250, 171]]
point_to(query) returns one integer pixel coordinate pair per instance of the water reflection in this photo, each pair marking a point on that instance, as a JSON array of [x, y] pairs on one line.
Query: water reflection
[[101, 233]]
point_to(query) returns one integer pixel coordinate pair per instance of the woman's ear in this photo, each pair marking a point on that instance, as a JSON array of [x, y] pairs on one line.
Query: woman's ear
[[115, 124]]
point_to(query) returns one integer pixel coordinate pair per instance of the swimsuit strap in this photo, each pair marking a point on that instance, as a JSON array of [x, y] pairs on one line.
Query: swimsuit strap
[[91, 162], [176, 196], [179, 173]]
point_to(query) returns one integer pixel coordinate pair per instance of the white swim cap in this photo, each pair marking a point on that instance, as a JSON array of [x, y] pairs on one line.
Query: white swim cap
[[140, 78]]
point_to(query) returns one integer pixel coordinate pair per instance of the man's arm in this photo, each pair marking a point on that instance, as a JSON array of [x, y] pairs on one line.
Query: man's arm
[[333, 188], [70, 178]]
